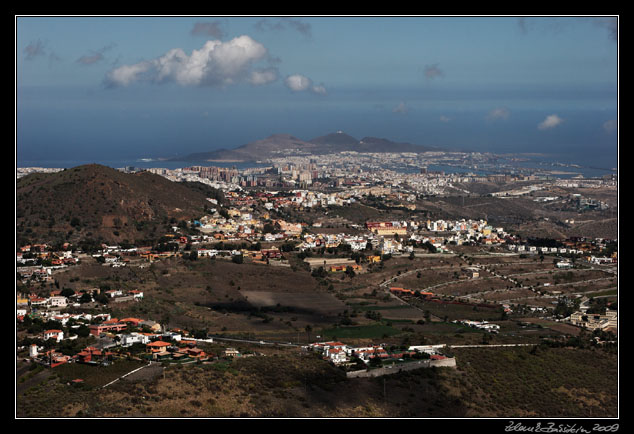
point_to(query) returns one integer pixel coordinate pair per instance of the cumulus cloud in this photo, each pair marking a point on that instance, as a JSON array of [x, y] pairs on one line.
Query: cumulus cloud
[[499, 113], [551, 121], [217, 63], [433, 71], [444, 118], [301, 83], [212, 29], [401, 108]]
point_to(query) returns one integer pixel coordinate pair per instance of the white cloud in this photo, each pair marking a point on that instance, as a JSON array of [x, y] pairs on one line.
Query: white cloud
[[297, 82], [320, 89], [126, 74], [499, 113], [217, 63], [444, 118], [301, 83], [551, 121]]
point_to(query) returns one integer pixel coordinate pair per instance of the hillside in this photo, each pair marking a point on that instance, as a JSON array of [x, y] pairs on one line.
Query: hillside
[[94, 201], [494, 383]]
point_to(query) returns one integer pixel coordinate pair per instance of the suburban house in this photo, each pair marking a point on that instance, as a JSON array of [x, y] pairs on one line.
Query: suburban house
[[231, 352], [136, 294], [157, 346], [605, 321], [55, 358], [114, 293], [132, 321], [105, 327], [92, 355], [58, 335], [134, 338]]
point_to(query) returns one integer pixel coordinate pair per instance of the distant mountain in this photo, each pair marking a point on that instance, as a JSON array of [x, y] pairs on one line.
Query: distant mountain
[[285, 144], [336, 142], [99, 202]]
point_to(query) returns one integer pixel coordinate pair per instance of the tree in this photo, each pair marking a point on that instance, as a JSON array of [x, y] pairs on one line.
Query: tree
[[67, 292], [83, 331], [376, 361], [350, 271], [102, 298]]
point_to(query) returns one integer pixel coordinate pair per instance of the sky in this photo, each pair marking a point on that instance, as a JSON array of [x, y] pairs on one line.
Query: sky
[[97, 88]]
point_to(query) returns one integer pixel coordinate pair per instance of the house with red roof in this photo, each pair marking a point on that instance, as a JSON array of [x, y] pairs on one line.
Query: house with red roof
[[58, 335], [132, 321], [105, 327], [157, 346]]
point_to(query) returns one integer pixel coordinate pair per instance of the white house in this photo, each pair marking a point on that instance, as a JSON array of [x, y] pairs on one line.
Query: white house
[[173, 336], [336, 355], [53, 334], [114, 293], [57, 301], [133, 338]]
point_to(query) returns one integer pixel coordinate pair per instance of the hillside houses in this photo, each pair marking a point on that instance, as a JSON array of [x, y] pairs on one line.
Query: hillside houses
[[340, 353], [481, 325], [607, 321]]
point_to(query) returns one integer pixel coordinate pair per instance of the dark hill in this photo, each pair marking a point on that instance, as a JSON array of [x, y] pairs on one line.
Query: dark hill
[[265, 148], [336, 142], [101, 203], [273, 145]]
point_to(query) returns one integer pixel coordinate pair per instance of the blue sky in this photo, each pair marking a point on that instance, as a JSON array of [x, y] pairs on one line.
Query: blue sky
[[134, 87]]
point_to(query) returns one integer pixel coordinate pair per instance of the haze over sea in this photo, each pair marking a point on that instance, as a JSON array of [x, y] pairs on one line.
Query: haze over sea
[[580, 141]]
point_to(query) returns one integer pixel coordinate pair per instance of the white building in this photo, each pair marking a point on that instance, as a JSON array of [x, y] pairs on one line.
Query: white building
[[133, 338], [58, 301]]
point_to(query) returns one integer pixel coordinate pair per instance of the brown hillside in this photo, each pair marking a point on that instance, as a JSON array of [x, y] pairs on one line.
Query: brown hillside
[[94, 201]]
